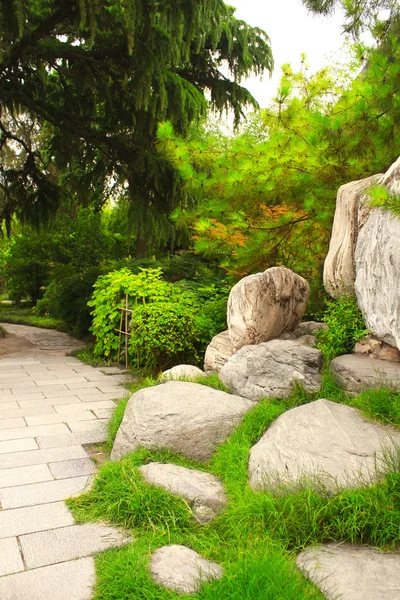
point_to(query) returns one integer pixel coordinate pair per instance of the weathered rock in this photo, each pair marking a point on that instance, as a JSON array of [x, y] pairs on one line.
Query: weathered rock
[[308, 328], [204, 491], [378, 274], [324, 439], [352, 572], [351, 213], [218, 352], [305, 340], [184, 417], [182, 372], [271, 369], [181, 569], [375, 348], [357, 372], [262, 306]]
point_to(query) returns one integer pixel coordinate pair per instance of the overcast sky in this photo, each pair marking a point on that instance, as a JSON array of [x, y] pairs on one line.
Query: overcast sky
[[292, 30]]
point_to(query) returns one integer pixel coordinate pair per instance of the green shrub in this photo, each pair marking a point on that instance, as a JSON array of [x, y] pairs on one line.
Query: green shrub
[[345, 327], [163, 334]]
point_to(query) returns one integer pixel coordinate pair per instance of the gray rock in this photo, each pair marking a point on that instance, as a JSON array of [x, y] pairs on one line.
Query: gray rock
[[358, 372], [262, 306], [352, 572], [204, 491], [184, 417], [181, 569], [218, 352], [351, 213], [375, 348], [377, 259], [271, 369], [330, 441], [308, 328], [182, 372]]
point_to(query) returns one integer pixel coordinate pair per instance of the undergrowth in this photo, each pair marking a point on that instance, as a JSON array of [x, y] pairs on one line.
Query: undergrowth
[[256, 537], [25, 316]]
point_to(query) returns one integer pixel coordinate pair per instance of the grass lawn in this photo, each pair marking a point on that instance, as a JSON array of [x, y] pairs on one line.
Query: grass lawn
[[23, 314], [258, 535]]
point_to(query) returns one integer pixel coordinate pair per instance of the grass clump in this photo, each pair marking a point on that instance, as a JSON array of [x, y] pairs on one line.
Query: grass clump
[[3, 332], [380, 404], [26, 316]]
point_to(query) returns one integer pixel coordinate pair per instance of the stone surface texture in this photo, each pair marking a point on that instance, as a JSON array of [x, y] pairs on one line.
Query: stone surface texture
[[181, 569], [271, 369], [181, 416], [204, 491], [44, 396], [358, 372], [375, 348], [262, 306], [324, 439], [351, 213], [182, 372], [219, 350], [352, 572]]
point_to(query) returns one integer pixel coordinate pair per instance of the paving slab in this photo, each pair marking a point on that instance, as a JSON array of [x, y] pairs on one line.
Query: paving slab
[[25, 475], [34, 518], [10, 557], [72, 468], [9, 404], [11, 423], [69, 543], [15, 412], [78, 415], [38, 457], [13, 446], [71, 580], [42, 493], [19, 433]]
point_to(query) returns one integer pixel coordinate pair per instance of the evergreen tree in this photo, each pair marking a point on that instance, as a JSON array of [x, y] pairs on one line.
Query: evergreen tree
[[96, 79]]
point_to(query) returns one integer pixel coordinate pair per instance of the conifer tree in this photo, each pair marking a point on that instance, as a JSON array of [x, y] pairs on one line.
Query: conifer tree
[[95, 78]]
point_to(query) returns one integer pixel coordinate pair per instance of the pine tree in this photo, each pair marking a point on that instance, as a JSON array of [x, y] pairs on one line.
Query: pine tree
[[96, 78]]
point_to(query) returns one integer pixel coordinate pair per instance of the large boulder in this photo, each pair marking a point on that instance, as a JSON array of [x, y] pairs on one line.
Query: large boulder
[[351, 213], [271, 369], [219, 350], [262, 306], [184, 417], [352, 572], [329, 441], [204, 491], [358, 372], [181, 569]]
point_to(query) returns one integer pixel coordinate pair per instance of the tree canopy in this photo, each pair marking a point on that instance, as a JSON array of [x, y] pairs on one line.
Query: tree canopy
[[83, 85]]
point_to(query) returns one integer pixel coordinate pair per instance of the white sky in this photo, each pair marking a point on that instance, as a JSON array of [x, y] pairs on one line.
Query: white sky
[[292, 31]]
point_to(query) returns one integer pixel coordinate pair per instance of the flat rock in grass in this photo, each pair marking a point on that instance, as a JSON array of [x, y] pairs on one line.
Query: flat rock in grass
[[204, 491], [262, 306], [181, 416], [352, 572], [271, 369], [181, 569], [182, 372], [219, 350], [358, 372], [329, 441]]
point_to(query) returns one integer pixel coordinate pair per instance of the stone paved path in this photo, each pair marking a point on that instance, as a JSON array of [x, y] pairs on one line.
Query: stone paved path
[[51, 405]]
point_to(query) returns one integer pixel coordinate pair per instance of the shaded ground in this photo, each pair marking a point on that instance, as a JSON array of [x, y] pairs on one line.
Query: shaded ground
[[12, 344]]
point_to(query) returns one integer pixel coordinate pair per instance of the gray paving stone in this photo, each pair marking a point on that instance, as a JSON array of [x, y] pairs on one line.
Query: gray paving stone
[[103, 413], [67, 543], [22, 384], [71, 439], [73, 408], [26, 412], [15, 446], [42, 493], [84, 426], [10, 557], [29, 432], [4, 373], [64, 381], [72, 468], [72, 580], [25, 475], [7, 405], [79, 415], [12, 423], [34, 518], [102, 395], [6, 382], [5, 393], [38, 457], [87, 385], [48, 401], [91, 437]]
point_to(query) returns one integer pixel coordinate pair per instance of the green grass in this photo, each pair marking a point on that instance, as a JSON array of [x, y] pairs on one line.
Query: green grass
[[24, 316], [257, 536]]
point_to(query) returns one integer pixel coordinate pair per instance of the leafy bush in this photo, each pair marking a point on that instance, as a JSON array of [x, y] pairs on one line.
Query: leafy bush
[[162, 335], [345, 327]]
